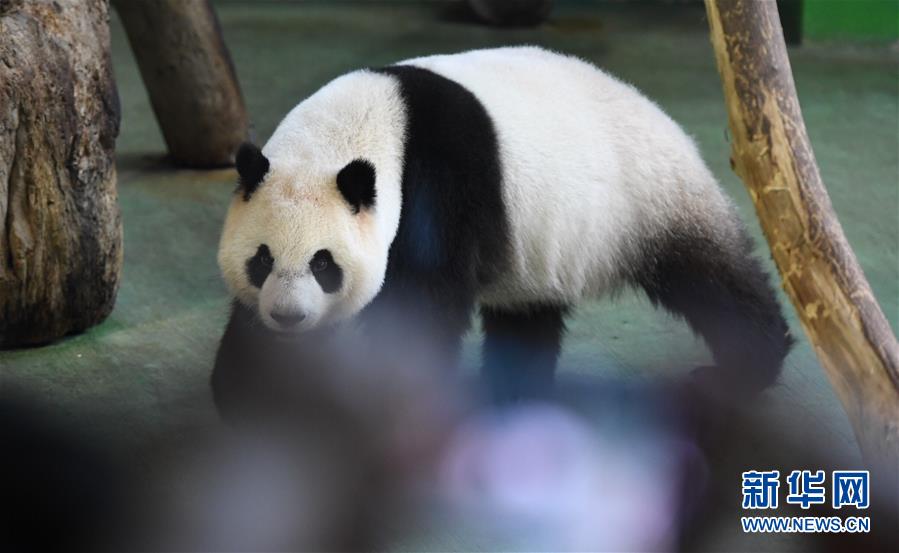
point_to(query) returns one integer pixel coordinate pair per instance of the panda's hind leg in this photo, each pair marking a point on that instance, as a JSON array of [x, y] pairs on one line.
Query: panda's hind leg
[[520, 350], [713, 281]]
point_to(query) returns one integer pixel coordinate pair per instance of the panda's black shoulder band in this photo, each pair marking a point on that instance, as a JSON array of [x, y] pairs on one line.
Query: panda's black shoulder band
[[252, 166]]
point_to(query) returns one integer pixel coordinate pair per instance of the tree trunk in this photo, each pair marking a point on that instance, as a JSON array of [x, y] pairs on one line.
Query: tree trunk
[[61, 232], [772, 154], [190, 78]]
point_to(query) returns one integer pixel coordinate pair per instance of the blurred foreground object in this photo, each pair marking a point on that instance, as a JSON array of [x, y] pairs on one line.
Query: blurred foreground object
[[540, 478], [512, 12], [189, 76], [60, 226], [61, 489], [302, 487], [386, 446], [773, 156]]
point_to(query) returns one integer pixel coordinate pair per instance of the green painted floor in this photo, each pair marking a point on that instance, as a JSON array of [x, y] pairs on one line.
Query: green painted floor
[[146, 366]]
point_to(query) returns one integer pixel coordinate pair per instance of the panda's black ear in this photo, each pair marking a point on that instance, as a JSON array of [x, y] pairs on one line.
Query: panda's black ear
[[252, 167], [356, 182]]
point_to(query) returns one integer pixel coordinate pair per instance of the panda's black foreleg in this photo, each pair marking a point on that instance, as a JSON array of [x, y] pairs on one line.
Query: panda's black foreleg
[[233, 362], [521, 347]]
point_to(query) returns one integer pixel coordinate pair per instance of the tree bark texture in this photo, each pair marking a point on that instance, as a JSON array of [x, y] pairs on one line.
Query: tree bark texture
[[190, 78], [820, 273], [60, 226]]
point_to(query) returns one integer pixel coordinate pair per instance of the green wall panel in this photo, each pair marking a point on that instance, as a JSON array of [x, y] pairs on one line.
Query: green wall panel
[[871, 19]]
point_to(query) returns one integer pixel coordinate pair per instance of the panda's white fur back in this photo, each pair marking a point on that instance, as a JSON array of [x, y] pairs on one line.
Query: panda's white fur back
[[591, 168]]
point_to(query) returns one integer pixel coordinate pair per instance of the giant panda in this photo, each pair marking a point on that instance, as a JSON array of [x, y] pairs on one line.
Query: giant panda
[[518, 181]]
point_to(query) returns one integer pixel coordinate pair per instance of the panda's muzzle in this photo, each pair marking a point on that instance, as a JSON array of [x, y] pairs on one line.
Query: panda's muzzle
[[288, 320]]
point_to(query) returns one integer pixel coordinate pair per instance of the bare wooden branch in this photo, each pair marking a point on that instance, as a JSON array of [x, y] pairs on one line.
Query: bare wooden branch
[[773, 156], [190, 78], [60, 228]]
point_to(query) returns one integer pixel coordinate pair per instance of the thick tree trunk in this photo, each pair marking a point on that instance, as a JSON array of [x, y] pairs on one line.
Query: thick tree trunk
[[773, 156], [190, 78], [60, 228]]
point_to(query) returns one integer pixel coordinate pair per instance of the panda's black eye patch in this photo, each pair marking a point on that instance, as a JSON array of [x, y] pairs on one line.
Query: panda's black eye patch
[[327, 272], [260, 265]]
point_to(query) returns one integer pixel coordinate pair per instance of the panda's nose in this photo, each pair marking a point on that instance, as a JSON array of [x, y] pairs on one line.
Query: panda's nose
[[288, 319]]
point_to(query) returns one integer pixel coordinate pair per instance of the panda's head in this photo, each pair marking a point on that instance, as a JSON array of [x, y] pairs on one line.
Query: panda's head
[[301, 243]]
